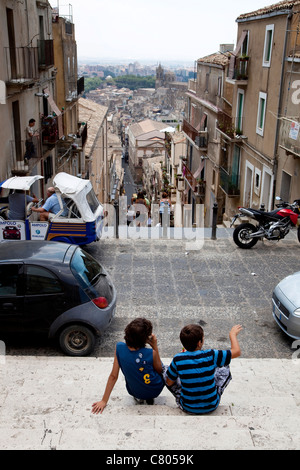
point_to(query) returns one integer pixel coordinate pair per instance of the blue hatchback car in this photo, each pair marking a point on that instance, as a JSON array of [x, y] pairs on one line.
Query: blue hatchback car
[[55, 289]]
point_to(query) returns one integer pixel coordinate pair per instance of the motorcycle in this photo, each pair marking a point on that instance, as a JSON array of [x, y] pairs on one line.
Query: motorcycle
[[274, 225]]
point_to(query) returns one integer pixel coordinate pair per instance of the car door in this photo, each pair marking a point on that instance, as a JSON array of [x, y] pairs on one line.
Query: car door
[[44, 298], [11, 298]]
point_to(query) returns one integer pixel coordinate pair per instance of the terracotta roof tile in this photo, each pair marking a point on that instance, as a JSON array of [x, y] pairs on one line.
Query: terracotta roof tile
[[217, 58], [284, 5]]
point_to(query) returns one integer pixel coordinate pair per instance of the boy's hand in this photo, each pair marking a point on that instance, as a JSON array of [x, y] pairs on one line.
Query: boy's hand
[[235, 347], [152, 341], [98, 407], [235, 330]]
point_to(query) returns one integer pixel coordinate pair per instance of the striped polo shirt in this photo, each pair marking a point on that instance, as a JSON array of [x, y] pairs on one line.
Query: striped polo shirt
[[196, 371]]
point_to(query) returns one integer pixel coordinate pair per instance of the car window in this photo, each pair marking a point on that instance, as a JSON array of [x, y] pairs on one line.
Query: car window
[[41, 281], [8, 279], [85, 268]]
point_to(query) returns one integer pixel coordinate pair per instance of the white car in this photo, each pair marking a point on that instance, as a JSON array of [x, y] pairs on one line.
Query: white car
[[286, 305]]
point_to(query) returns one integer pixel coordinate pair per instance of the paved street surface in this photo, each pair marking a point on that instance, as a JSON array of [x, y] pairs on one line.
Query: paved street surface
[[46, 397], [217, 286]]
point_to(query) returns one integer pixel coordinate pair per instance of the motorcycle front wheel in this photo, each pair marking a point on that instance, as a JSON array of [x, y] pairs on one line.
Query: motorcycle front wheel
[[242, 236]]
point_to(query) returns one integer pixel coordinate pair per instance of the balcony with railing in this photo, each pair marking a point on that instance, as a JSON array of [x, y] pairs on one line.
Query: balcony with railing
[[46, 53], [24, 155], [192, 85], [73, 142], [50, 130], [199, 138], [230, 183], [232, 128], [239, 70], [21, 64], [198, 186], [80, 86]]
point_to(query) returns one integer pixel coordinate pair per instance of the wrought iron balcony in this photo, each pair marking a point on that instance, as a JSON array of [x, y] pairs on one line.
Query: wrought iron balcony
[[199, 138], [46, 53], [50, 131], [197, 186], [239, 69], [22, 65], [192, 85], [231, 127], [24, 156], [230, 183], [80, 86], [73, 142]]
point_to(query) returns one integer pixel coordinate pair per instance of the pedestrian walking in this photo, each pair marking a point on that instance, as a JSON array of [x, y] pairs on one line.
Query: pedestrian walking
[[30, 151], [164, 204]]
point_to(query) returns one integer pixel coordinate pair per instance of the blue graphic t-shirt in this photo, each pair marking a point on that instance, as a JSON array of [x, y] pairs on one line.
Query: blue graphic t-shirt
[[142, 381]]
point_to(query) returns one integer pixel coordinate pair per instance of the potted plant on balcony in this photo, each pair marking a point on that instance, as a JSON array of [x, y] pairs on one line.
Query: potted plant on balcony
[[244, 57]]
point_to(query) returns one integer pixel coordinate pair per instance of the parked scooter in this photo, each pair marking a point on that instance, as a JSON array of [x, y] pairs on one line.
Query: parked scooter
[[274, 225]]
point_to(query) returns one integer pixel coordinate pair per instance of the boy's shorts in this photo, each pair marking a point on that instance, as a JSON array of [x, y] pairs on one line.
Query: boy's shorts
[[222, 378]]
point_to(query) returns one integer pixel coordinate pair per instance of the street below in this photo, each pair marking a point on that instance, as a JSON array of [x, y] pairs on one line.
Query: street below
[[216, 286]]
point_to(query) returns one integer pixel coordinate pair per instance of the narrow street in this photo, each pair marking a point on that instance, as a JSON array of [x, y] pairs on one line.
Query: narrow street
[[217, 286], [129, 185]]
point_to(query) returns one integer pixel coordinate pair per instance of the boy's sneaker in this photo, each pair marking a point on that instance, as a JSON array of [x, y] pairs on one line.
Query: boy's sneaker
[[139, 401], [150, 401]]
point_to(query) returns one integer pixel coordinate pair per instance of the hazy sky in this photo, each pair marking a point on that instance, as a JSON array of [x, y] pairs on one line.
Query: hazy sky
[[154, 30]]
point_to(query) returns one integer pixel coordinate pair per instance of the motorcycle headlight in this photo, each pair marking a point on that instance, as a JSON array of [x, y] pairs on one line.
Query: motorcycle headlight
[[297, 312]]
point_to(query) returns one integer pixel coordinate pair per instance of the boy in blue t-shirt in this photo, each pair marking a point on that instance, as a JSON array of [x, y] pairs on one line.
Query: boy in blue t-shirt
[[203, 374], [141, 366]]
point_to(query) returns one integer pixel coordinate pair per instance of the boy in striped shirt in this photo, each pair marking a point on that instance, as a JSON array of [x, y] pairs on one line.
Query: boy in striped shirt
[[203, 374]]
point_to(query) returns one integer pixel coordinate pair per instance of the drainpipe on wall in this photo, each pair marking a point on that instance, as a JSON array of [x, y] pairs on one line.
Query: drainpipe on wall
[[27, 17], [289, 17]]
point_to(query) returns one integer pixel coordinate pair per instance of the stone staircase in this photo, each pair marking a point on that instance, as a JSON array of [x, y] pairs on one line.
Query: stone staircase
[[46, 404]]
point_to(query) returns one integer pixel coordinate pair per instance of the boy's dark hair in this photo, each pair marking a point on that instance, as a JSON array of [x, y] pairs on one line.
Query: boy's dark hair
[[31, 121], [137, 333], [190, 336]]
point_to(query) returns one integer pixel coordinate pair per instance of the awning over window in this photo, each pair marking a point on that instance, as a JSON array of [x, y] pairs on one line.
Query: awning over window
[[2, 92], [54, 108]]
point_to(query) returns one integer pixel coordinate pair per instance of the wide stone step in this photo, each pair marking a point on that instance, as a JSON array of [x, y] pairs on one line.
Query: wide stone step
[[46, 404]]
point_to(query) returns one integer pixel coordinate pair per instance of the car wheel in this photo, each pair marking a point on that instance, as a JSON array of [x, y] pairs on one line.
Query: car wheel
[[77, 340]]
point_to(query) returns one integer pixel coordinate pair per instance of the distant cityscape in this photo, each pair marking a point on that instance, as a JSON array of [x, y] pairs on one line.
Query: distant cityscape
[[91, 68], [123, 60]]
